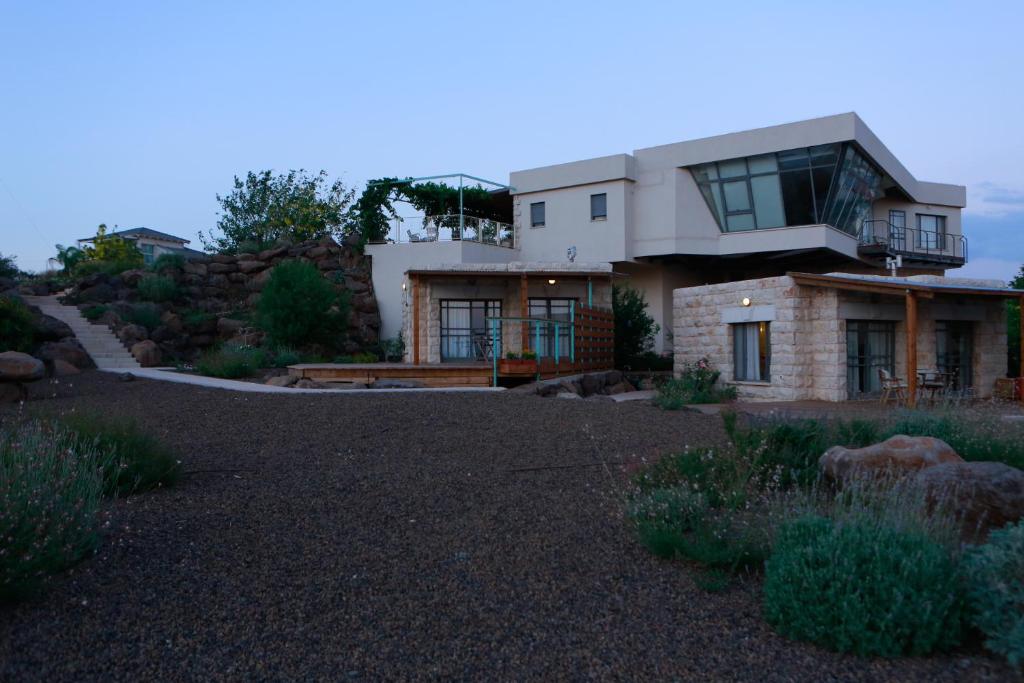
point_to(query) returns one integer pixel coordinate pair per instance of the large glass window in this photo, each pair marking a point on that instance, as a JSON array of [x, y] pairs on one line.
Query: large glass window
[[465, 332], [550, 309], [751, 344], [803, 186]]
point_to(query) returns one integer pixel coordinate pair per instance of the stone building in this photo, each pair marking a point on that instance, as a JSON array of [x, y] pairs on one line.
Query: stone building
[[826, 337]]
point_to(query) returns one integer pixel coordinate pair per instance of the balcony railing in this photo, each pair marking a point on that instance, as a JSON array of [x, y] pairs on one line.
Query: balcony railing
[[913, 242], [451, 228]]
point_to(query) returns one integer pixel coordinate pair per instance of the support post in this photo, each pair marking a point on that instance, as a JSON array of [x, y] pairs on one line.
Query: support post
[[556, 347], [911, 349], [572, 331], [462, 221], [524, 342], [415, 319], [590, 292], [494, 351]]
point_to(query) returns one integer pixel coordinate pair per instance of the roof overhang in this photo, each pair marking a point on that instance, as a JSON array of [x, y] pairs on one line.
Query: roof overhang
[[515, 269], [875, 284]]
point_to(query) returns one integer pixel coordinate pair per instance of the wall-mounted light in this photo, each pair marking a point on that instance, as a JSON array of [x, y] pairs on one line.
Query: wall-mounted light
[[552, 281], [403, 286], [746, 301]]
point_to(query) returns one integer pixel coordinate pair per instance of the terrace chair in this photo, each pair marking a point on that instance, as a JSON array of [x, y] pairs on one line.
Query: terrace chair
[[891, 386], [934, 384], [412, 237]]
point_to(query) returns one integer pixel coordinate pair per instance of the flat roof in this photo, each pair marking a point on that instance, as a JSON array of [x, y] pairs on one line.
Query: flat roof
[[564, 269], [927, 284]]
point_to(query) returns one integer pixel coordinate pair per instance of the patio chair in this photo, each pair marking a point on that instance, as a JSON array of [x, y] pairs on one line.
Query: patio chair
[[412, 237], [892, 386], [934, 384]]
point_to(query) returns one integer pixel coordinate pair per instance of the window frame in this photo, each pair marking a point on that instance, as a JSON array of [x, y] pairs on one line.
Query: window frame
[[543, 215], [599, 217], [939, 242], [740, 347]]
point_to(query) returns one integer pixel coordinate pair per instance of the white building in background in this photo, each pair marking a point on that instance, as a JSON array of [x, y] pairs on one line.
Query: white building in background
[[152, 243]]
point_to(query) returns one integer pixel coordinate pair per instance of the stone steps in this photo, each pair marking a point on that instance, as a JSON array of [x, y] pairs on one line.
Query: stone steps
[[102, 345]]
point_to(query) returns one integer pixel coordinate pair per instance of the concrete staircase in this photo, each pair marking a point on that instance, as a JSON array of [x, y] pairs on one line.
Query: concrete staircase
[[99, 342]]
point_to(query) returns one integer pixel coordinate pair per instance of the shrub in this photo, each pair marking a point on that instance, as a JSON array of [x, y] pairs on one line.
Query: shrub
[[649, 361], [112, 267], [50, 489], [195, 318], [157, 288], [663, 515], [146, 314], [363, 357], [392, 349], [95, 312], [285, 356], [231, 362], [299, 307], [863, 585], [634, 328], [135, 460], [17, 328], [696, 384], [168, 262], [9, 267], [995, 591], [972, 439]]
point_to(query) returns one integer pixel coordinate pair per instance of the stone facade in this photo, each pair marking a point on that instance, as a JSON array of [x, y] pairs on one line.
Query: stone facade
[[808, 333]]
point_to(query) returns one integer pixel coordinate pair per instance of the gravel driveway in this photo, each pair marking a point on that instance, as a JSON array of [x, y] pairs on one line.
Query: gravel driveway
[[402, 537]]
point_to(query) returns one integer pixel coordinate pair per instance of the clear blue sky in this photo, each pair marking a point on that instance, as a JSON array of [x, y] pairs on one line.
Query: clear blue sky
[[134, 114]]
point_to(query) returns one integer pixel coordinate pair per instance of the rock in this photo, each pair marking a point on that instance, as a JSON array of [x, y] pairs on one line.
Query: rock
[[620, 388], [897, 455], [317, 252], [163, 334], [570, 386], [101, 293], [48, 328], [282, 381], [356, 286], [612, 377], [147, 353], [126, 377], [983, 495], [259, 281], [566, 394], [268, 254], [172, 321], [201, 340], [221, 268], [396, 384], [309, 384], [194, 268], [347, 385], [228, 327], [13, 392], [249, 267], [364, 303], [68, 350], [20, 367], [591, 384], [62, 368], [131, 333], [222, 259], [110, 319], [132, 277]]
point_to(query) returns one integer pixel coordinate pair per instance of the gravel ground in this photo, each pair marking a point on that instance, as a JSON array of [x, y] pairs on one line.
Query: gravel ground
[[402, 537]]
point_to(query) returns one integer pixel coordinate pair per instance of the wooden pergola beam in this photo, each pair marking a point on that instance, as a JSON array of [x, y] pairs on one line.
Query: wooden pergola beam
[[524, 306], [415, 319], [911, 297]]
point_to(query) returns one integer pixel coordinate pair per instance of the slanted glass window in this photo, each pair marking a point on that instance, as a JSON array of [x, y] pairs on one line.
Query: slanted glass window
[[931, 231], [598, 206], [751, 344], [537, 215], [803, 186]]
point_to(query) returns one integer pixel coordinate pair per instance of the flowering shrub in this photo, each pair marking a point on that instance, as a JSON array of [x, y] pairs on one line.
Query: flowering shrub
[[696, 383], [995, 589], [50, 489]]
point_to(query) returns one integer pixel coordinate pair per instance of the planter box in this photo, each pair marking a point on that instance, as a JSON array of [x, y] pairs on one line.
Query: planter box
[[517, 366]]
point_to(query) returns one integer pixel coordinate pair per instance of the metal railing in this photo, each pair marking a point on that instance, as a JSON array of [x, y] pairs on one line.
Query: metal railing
[[451, 228], [913, 241]]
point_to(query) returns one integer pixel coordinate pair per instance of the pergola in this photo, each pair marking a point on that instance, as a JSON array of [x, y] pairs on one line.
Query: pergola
[[911, 293]]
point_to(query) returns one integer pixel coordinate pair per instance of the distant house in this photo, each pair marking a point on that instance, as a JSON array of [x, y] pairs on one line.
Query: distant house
[[152, 243]]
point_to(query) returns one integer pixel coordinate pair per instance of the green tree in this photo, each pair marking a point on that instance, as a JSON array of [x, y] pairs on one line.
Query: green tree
[[113, 249], [8, 267], [69, 256], [634, 328], [264, 208], [1013, 327], [298, 307]]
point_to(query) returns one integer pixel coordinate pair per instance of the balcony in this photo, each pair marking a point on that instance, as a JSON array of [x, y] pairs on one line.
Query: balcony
[[450, 228], [881, 238]]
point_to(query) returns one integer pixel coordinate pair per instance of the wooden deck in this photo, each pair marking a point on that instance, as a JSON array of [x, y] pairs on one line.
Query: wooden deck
[[434, 375]]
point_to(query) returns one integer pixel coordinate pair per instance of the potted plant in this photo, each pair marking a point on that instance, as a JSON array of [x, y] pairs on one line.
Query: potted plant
[[518, 364]]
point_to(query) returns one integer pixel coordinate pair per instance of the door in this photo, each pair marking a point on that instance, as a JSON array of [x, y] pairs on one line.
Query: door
[[870, 346], [551, 309], [954, 351], [465, 331]]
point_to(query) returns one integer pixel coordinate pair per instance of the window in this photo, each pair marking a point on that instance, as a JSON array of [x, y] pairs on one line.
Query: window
[[465, 330], [931, 231], [598, 207], [537, 215], [954, 351], [897, 218], [751, 344], [830, 184], [147, 254], [550, 309], [870, 347]]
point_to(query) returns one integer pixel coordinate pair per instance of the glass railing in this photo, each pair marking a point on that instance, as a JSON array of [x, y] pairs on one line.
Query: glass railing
[[451, 228]]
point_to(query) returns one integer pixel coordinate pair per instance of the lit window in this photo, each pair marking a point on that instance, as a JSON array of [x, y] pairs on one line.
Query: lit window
[[598, 207], [537, 215], [751, 343]]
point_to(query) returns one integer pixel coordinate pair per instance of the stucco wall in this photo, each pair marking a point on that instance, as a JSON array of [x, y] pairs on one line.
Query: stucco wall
[[808, 334]]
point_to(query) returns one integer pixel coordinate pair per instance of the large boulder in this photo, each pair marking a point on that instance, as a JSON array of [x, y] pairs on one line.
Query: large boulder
[[983, 495], [147, 353], [131, 333], [62, 368], [20, 367], [895, 456], [100, 293], [591, 384], [228, 327], [48, 328], [68, 350], [282, 380]]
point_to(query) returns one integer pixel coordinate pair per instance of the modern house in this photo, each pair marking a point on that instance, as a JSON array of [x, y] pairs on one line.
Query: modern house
[[152, 243], [812, 197]]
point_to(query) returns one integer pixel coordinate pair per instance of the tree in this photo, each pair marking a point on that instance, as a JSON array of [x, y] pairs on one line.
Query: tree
[[113, 249], [69, 256], [8, 266], [264, 208], [634, 328], [1013, 327], [298, 307]]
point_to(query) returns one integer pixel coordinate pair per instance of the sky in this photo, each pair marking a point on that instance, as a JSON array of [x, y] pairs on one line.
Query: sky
[[139, 114]]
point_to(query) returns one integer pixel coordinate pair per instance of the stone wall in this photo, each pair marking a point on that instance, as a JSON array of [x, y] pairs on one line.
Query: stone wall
[[808, 334]]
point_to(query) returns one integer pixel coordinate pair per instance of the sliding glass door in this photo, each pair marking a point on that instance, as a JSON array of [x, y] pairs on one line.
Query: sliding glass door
[[954, 351], [465, 332], [551, 309], [870, 347]]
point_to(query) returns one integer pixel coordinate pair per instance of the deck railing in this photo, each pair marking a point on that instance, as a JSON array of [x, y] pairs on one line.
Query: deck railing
[[450, 228]]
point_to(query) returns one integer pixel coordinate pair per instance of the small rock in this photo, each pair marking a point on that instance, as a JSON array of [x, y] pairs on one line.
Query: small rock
[[147, 353], [62, 368], [282, 381], [126, 377], [899, 454], [309, 384], [396, 384], [567, 394], [68, 350], [591, 384], [131, 333]]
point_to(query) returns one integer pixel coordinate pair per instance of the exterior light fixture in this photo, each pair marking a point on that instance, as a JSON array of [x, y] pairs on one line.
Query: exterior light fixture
[[746, 301], [552, 281], [403, 286]]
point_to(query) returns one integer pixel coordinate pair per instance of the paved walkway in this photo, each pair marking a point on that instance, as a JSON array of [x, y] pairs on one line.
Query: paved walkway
[[171, 375]]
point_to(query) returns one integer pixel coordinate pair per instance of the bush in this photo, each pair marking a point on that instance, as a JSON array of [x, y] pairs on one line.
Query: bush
[[648, 361], [195, 318], [168, 262], [231, 362], [17, 328], [134, 460], [364, 357], [695, 384], [157, 288], [299, 307], [147, 315], [991, 440], [863, 586], [663, 515], [9, 267], [995, 591], [114, 267], [95, 312], [285, 356], [50, 489], [634, 328]]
